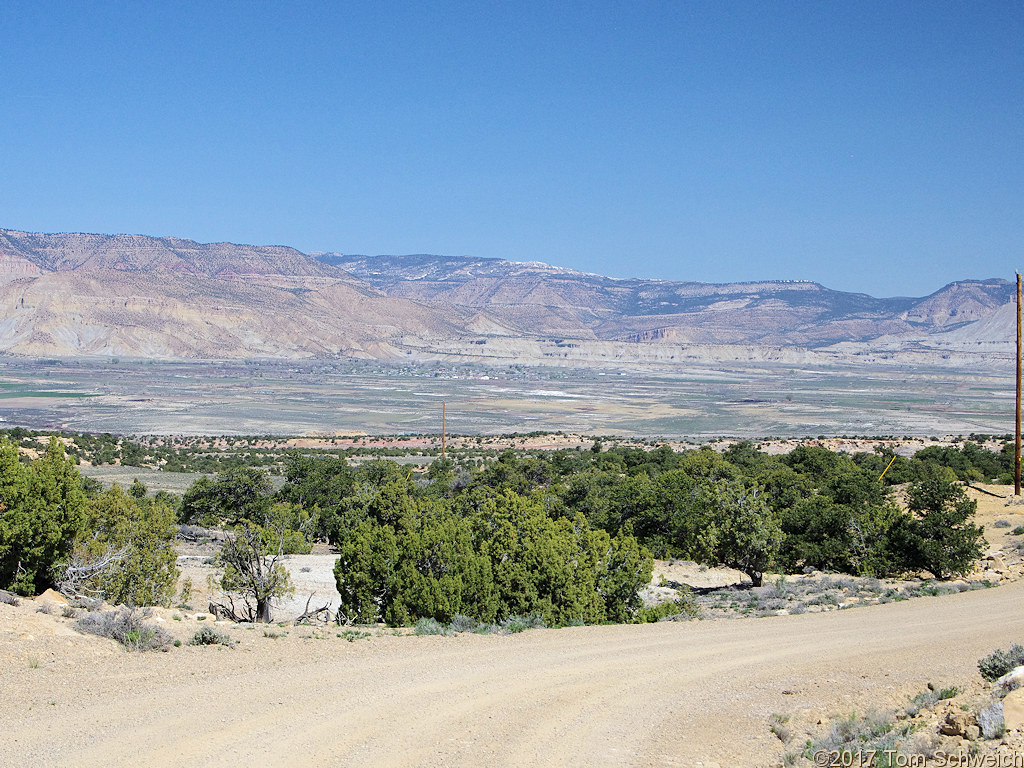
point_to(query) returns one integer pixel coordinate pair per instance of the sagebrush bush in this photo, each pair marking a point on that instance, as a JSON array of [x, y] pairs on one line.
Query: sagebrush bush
[[86, 603], [990, 720], [874, 730], [462, 623], [515, 624], [924, 700], [889, 734], [510, 626], [999, 662], [127, 626], [210, 636], [430, 627], [683, 608]]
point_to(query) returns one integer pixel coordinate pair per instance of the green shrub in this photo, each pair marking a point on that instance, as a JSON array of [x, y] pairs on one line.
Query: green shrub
[[999, 662], [501, 556], [185, 594]]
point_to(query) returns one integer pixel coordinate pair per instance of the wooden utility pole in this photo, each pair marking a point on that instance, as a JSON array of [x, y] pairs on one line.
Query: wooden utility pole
[[443, 414], [1016, 445]]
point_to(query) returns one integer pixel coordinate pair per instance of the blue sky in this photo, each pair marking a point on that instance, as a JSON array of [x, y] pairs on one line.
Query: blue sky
[[869, 146]]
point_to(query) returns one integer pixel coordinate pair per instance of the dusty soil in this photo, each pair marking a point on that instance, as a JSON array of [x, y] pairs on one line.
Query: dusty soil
[[679, 694], [671, 694]]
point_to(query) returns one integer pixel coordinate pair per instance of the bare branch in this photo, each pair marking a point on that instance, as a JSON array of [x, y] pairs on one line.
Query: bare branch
[[322, 614], [77, 578]]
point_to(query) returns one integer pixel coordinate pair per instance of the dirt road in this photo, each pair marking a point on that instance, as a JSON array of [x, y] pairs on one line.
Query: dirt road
[[693, 694]]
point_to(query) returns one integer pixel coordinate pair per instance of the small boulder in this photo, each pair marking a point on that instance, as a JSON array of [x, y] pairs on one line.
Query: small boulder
[[1012, 680], [991, 720], [958, 723], [1013, 710], [52, 596]]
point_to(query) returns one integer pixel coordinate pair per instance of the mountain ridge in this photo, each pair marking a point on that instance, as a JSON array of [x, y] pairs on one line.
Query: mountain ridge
[[688, 310], [135, 295]]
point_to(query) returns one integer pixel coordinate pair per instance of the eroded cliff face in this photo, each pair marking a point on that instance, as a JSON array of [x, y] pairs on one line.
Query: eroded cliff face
[[16, 267], [137, 296], [133, 253], [168, 298]]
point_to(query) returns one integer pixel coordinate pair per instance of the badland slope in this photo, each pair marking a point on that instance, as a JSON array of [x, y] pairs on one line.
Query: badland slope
[[167, 297]]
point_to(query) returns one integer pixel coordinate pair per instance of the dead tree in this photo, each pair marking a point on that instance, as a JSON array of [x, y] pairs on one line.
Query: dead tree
[[77, 579], [252, 572], [321, 614]]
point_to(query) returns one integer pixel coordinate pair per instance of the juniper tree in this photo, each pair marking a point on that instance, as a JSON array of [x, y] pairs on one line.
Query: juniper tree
[[142, 532], [41, 514], [942, 539]]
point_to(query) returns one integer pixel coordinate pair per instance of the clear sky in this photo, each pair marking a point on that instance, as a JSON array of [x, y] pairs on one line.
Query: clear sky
[[869, 146]]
